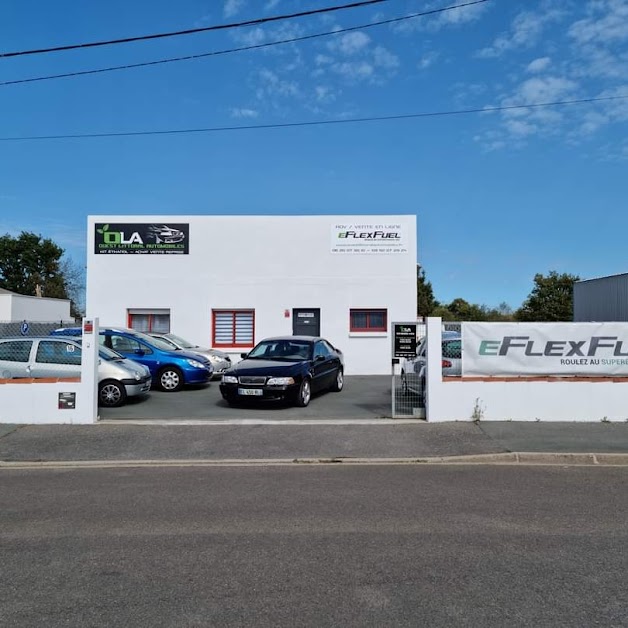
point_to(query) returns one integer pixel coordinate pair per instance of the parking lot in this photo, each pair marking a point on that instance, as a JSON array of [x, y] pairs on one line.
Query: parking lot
[[363, 397]]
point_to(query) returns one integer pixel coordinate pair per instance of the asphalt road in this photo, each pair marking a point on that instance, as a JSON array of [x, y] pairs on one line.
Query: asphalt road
[[363, 396], [314, 546]]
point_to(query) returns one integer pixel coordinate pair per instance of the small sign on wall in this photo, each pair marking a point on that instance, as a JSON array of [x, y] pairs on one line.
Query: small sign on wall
[[67, 400], [404, 340]]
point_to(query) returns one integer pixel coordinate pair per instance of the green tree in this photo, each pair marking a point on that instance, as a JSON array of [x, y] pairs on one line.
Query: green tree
[[32, 265], [551, 298], [424, 295]]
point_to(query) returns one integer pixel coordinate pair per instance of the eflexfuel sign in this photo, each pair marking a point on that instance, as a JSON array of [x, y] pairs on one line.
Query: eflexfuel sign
[[368, 238], [512, 349]]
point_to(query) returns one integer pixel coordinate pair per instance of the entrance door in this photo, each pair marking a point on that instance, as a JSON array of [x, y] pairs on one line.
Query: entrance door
[[306, 321]]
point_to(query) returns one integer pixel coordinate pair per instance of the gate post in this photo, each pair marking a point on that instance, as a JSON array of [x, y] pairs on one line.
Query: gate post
[[434, 367]]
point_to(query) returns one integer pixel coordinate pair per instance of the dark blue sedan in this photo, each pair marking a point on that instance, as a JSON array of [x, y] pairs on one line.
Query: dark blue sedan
[[287, 368]]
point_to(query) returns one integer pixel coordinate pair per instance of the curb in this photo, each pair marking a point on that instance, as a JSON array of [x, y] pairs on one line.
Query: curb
[[514, 458]]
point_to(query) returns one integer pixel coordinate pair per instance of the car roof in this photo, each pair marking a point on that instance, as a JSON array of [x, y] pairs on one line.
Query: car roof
[[55, 338], [289, 338]]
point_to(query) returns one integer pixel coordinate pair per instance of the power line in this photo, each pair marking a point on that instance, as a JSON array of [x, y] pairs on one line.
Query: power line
[[242, 48], [286, 125], [190, 31]]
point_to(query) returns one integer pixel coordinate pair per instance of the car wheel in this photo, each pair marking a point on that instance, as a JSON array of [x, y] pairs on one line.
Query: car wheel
[[170, 379], [111, 394], [305, 393], [339, 382]]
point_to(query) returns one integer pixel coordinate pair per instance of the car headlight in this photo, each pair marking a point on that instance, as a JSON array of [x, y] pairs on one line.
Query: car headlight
[[229, 379], [280, 381], [137, 376], [196, 364]]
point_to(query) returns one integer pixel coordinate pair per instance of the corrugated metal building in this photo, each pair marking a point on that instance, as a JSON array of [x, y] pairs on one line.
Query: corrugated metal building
[[601, 299]]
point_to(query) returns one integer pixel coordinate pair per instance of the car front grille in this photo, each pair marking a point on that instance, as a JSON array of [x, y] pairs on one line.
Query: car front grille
[[253, 379]]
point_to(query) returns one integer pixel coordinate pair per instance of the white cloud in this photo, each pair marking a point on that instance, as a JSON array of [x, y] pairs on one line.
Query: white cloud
[[271, 4], [450, 18], [324, 94], [525, 31], [427, 60], [538, 65], [542, 89], [354, 70], [609, 22], [383, 58], [238, 112], [351, 43], [272, 86], [232, 7]]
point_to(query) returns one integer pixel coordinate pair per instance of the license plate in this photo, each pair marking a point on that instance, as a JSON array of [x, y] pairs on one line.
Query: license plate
[[255, 392]]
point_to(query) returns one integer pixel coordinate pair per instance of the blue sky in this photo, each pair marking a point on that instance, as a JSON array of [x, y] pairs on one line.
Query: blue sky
[[498, 196]]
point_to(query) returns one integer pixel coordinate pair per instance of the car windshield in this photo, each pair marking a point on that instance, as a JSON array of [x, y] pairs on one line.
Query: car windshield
[[171, 345], [185, 344], [109, 354], [282, 350], [152, 341]]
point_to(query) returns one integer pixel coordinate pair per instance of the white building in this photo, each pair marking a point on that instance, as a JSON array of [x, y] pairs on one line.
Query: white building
[[21, 307], [229, 281]]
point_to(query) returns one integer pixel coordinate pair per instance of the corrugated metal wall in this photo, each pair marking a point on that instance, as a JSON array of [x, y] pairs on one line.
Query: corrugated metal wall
[[604, 299]]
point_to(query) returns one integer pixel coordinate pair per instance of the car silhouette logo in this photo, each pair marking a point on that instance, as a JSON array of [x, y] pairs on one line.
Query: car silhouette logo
[[167, 235]]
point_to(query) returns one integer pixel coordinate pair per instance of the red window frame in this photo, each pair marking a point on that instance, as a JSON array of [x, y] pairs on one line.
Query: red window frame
[[368, 312], [130, 315], [233, 344]]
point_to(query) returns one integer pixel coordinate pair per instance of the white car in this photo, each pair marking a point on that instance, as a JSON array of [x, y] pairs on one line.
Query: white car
[[118, 377], [413, 369]]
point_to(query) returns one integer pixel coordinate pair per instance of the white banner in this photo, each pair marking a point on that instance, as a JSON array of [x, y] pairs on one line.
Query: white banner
[[369, 238], [512, 349]]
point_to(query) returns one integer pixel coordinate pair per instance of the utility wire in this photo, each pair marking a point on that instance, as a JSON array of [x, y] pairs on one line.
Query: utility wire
[[190, 31], [216, 53], [286, 125]]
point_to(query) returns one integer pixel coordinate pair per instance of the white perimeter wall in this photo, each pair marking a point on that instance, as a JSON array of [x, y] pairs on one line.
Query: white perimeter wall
[[38, 402], [518, 401], [17, 307], [266, 263]]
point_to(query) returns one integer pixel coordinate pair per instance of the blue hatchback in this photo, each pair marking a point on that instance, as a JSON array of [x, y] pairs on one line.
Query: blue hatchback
[[170, 369]]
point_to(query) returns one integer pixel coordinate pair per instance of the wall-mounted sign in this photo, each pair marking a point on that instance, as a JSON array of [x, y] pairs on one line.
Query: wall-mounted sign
[[67, 400], [141, 238], [368, 238], [587, 349], [404, 340]]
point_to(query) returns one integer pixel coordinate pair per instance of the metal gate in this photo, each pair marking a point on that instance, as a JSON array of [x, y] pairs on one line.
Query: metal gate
[[409, 362]]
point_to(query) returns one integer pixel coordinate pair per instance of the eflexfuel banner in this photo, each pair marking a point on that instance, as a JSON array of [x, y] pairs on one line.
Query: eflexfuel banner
[[512, 349]]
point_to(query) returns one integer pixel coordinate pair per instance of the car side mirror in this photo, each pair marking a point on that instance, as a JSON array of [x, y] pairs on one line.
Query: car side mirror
[[318, 358], [243, 355], [139, 352]]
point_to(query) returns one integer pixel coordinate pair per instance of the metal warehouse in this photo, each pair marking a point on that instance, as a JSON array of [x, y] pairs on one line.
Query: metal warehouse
[[227, 282], [604, 299]]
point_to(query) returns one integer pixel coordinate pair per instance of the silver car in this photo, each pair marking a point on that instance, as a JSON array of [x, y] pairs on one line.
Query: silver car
[[219, 360], [118, 377], [413, 369]]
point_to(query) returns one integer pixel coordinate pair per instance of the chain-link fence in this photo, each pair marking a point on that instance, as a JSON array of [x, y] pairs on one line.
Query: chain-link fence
[[27, 350]]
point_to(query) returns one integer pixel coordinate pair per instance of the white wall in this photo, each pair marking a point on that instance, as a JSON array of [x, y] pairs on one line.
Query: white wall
[[38, 309], [38, 402], [266, 263], [525, 400], [5, 307]]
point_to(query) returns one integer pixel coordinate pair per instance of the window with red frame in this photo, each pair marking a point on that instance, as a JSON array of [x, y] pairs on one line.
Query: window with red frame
[[233, 328], [368, 320], [147, 320]]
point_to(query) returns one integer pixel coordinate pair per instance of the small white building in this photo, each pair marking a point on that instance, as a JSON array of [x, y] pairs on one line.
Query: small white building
[[227, 282], [20, 307]]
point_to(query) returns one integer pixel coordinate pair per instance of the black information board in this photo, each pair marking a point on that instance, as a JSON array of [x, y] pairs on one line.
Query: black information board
[[404, 340]]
